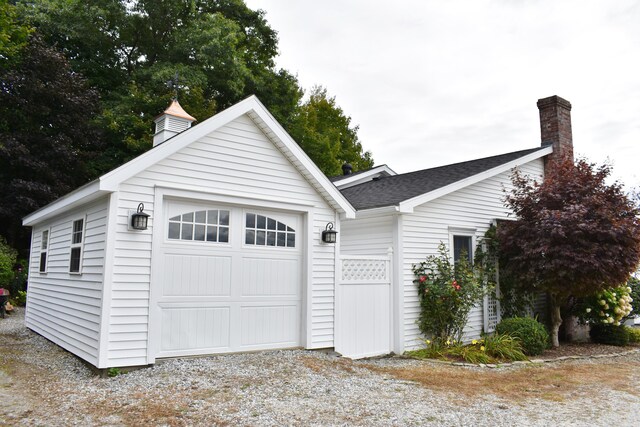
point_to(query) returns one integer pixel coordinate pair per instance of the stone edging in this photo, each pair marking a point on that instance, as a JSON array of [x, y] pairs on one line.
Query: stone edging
[[524, 362]]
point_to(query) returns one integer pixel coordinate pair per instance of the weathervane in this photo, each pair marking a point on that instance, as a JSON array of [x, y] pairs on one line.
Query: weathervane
[[174, 83]]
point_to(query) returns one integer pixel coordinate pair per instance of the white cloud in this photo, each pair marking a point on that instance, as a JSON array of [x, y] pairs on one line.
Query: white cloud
[[433, 82]]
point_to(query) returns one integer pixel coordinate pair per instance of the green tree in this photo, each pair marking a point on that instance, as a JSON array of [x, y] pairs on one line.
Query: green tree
[[574, 235], [46, 135], [222, 50], [325, 133], [13, 34]]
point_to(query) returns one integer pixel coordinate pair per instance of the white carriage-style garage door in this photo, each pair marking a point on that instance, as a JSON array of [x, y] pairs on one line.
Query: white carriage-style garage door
[[232, 279]]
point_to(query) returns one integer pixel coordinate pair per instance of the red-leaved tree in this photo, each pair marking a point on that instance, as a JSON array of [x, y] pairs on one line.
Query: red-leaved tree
[[573, 234]]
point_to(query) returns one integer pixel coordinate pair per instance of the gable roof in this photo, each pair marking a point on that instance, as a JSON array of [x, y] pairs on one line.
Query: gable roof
[[411, 189], [252, 107]]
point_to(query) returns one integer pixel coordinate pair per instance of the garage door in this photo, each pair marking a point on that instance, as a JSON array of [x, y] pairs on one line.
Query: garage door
[[231, 279]]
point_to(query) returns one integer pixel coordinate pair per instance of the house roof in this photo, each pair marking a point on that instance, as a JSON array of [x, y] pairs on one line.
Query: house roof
[[411, 189], [252, 107]]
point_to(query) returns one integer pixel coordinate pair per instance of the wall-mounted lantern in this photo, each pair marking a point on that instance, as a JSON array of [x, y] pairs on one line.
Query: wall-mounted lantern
[[329, 235], [139, 219]]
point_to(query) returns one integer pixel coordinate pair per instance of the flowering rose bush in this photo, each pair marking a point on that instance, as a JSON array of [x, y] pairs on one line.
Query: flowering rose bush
[[447, 293], [606, 307]]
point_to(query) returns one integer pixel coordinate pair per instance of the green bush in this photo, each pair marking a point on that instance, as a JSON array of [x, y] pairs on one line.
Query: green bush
[[489, 349], [19, 299], [504, 347], [447, 292], [608, 306], [609, 334], [8, 257], [532, 334], [634, 335]]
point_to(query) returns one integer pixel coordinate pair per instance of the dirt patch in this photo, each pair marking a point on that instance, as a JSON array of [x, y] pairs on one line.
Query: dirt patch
[[554, 383], [324, 367], [41, 384]]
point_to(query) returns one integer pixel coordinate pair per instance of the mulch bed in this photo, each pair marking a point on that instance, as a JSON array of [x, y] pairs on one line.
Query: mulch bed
[[584, 349]]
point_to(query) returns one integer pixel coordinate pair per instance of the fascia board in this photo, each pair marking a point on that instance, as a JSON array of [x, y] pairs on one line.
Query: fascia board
[[304, 159], [376, 212], [84, 194], [407, 206]]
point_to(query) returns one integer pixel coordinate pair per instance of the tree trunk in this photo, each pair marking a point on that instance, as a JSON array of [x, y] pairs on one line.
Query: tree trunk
[[556, 321]]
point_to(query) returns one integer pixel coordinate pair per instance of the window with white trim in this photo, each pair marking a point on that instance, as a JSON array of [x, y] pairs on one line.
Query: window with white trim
[[260, 230], [77, 237], [44, 249], [210, 225]]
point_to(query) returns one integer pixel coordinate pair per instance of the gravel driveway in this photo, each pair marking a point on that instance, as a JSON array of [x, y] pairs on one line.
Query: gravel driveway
[[40, 384]]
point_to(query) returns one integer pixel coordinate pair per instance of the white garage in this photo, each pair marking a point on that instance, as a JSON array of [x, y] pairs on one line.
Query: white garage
[[228, 258], [231, 279]]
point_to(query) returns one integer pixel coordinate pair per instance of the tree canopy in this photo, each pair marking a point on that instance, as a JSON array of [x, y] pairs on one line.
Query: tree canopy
[[573, 234], [118, 56], [325, 133], [47, 137], [222, 50], [13, 33]]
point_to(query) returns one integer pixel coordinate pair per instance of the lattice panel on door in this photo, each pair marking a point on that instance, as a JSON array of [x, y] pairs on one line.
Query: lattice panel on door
[[492, 312], [364, 270]]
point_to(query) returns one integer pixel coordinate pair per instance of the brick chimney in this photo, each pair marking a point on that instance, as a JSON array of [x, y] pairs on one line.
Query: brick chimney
[[555, 125]]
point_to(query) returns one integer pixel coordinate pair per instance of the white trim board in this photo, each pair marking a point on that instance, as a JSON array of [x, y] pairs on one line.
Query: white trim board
[[350, 180]]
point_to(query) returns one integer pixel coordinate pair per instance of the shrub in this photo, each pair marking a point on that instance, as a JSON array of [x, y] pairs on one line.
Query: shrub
[[504, 347], [609, 306], [603, 333], [114, 372], [447, 293], [634, 335], [8, 257], [634, 285], [490, 349], [532, 334], [20, 298]]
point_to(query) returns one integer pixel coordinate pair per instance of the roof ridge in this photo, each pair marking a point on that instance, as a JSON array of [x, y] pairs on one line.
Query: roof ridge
[[527, 151]]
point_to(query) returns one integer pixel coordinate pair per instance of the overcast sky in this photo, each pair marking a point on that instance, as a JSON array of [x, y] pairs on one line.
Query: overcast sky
[[437, 82]]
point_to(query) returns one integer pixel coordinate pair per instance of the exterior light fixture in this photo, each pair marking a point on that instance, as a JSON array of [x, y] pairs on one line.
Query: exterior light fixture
[[139, 219], [329, 235]]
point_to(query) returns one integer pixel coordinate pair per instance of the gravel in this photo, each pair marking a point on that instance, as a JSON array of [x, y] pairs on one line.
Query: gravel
[[41, 384]]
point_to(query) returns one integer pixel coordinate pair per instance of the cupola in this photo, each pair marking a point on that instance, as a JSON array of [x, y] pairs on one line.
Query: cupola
[[171, 122]]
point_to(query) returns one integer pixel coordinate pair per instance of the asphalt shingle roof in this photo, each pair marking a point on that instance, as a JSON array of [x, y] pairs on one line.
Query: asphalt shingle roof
[[391, 190]]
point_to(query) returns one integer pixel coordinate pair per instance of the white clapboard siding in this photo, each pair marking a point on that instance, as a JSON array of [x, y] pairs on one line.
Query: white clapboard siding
[[473, 207], [63, 307], [367, 236], [239, 160]]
